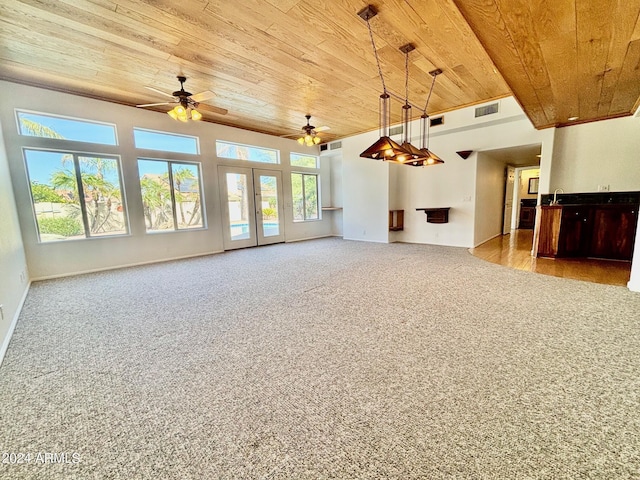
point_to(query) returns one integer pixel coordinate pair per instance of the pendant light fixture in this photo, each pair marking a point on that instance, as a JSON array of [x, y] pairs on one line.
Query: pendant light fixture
[[385, 148], [415, 154], [429, 158]]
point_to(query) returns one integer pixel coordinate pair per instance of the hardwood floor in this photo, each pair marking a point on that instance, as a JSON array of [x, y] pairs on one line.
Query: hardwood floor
[[514, 251]]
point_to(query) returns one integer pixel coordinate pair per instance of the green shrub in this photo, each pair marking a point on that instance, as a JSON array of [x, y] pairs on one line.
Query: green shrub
[[269, 213], [65, 226]]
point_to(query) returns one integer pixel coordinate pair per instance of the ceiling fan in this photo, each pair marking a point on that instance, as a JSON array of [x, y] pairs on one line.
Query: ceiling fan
[[186, 103], [309, 135]]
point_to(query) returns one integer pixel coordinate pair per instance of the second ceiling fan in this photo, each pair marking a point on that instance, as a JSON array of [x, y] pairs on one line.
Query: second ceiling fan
[[309, 135]]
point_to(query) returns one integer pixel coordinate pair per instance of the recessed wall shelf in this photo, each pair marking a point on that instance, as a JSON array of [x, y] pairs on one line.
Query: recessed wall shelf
[[436, 215], [396, 220]]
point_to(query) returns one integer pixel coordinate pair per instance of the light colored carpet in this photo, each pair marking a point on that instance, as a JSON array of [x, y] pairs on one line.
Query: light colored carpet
[[325, 359]]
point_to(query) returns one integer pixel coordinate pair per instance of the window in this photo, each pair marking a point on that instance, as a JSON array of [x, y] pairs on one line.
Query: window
[[170, 195], [75, 195], [308, 161], [166, 142], [52, 126], [304, 189], [246, 152]]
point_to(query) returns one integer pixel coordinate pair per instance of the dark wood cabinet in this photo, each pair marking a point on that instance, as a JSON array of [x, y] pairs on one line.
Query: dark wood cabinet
[[613, 231], [574, 232], [527, 217], [599, 231]]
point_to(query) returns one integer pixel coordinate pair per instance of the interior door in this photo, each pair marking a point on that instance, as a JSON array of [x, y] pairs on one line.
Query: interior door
[[508, 199], [252, 206]]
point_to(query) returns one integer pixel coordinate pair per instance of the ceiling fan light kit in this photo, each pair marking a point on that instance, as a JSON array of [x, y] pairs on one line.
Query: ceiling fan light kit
[[310, 137], [185, 109], [385, 148]]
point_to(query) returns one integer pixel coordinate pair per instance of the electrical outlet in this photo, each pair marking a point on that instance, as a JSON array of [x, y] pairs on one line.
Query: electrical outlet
[[603, 188]]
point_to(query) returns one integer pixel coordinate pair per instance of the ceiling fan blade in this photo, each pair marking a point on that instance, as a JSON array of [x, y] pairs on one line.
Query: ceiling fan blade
[[154, 104], [202, 96], [212, 109], [324, 128], [159, 91], [291, 135]]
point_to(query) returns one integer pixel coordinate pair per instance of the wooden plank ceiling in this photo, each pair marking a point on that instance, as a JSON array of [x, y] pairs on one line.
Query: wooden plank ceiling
[[270, 62]]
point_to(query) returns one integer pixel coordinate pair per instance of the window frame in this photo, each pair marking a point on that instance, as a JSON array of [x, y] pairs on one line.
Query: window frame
[[174, 208], [18, 111], [235, 159], [304, 200], [317, 157], [77, 154], [168, 134]]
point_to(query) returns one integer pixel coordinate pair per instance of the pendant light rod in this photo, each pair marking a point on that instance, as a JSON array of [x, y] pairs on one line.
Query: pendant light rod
[[367, 14], [434, 74]]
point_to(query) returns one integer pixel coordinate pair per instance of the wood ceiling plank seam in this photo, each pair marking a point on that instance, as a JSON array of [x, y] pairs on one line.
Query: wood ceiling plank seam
[[256, 55], [71, 25], [461, 45], [593, 28], [497, 42], [459, 24], [258, 13], [564, 79], [44, 71], [555, 29], [625, 18], [103, 19], [519, 23], [283, 5], [628, 91]]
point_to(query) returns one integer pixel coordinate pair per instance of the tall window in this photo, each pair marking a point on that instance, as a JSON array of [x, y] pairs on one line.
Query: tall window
[[304, 188], [75, 195], [170, 195], [236, 151]]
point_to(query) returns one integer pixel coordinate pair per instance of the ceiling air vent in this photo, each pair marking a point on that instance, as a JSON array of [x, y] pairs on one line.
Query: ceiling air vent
[[324, 147], [435, 121], [486, 110], [396, 130], [335, 145]]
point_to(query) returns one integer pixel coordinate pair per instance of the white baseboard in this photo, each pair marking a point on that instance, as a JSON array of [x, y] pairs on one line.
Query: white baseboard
[[308, 238], [126, 265], [12, 326], [634, 286]]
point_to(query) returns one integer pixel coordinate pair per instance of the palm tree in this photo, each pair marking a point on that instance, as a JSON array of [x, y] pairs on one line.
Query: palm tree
[[156, 201]]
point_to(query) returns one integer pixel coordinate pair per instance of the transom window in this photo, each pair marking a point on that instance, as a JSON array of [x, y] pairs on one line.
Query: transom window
[[75, 195], [170, 195], [307, 161], [34, 124], [236, 151], [304, 189], [165, 142]]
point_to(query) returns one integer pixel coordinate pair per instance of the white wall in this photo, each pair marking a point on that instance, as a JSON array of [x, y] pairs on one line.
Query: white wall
[[597, 153], [335, 193], [365, 186], [69, 257], [13, 262]]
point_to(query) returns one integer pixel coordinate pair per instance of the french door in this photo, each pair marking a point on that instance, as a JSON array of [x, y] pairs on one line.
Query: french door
[[252, 207]]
